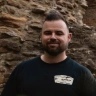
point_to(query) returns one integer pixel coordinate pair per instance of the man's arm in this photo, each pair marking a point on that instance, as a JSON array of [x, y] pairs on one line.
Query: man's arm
[[10, 88], [89, 84]]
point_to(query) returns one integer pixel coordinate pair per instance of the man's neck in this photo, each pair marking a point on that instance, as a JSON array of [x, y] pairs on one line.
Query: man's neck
[[53, 59]]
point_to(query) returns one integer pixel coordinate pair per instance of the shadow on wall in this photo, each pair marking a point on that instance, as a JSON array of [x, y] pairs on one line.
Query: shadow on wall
[[90, 13]]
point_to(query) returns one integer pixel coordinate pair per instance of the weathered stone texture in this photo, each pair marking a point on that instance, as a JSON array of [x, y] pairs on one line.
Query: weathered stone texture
[[90, 14], [83, 47], [20, 26]]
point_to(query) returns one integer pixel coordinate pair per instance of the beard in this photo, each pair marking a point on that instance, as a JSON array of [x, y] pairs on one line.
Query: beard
[[55, 50]]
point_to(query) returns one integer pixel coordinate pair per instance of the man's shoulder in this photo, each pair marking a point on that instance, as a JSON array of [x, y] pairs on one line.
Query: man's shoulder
[[29, 62], [32, 60], [78, 66], [26, 65]]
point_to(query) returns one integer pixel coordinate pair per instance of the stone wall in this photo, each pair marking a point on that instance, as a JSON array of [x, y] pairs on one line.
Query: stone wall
[[20, 25], [90, 14]]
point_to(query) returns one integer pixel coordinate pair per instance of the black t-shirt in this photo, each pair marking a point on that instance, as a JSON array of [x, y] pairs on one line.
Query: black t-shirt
[[36, 78]]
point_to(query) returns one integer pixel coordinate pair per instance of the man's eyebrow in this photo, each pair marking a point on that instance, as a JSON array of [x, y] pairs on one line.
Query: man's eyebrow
[[47, 31], [59, 31]]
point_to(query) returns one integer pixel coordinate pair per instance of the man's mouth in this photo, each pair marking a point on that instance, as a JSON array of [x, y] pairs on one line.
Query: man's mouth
[[53, 44]]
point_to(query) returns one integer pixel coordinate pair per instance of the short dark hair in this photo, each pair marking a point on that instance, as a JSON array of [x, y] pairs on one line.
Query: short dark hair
[[55, 15]]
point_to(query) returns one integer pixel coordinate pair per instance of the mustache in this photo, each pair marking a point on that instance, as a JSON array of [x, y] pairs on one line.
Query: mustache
[[53, 42]]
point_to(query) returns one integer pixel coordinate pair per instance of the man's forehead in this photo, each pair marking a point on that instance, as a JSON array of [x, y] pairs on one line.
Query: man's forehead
[[53, 23]]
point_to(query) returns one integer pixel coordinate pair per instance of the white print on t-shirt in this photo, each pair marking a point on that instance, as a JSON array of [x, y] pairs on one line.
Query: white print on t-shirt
[[63, 79]]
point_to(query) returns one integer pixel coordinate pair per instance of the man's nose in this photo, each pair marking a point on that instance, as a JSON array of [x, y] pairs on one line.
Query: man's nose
[[53, 36]]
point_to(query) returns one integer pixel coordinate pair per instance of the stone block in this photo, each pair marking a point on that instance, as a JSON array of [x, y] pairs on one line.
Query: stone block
[[13, 57], [3, 50], [12, 21], [10, 45], [1, 78]]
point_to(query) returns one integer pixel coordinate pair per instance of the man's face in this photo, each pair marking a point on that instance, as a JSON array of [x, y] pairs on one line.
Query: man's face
[[55, 37]]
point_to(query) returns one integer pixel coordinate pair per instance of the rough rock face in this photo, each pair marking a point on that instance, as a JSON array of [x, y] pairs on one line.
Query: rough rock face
[[20, 25], [90, 13]]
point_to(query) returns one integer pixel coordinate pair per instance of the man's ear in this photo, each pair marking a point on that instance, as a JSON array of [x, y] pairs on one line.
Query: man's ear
[[69, 36]]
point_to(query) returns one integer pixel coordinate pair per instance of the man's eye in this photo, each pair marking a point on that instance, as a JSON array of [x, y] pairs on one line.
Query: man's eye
[[47, 32], [59, 33]]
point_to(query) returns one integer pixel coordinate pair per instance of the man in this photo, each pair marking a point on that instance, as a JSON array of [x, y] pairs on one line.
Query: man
[[53, 73]]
